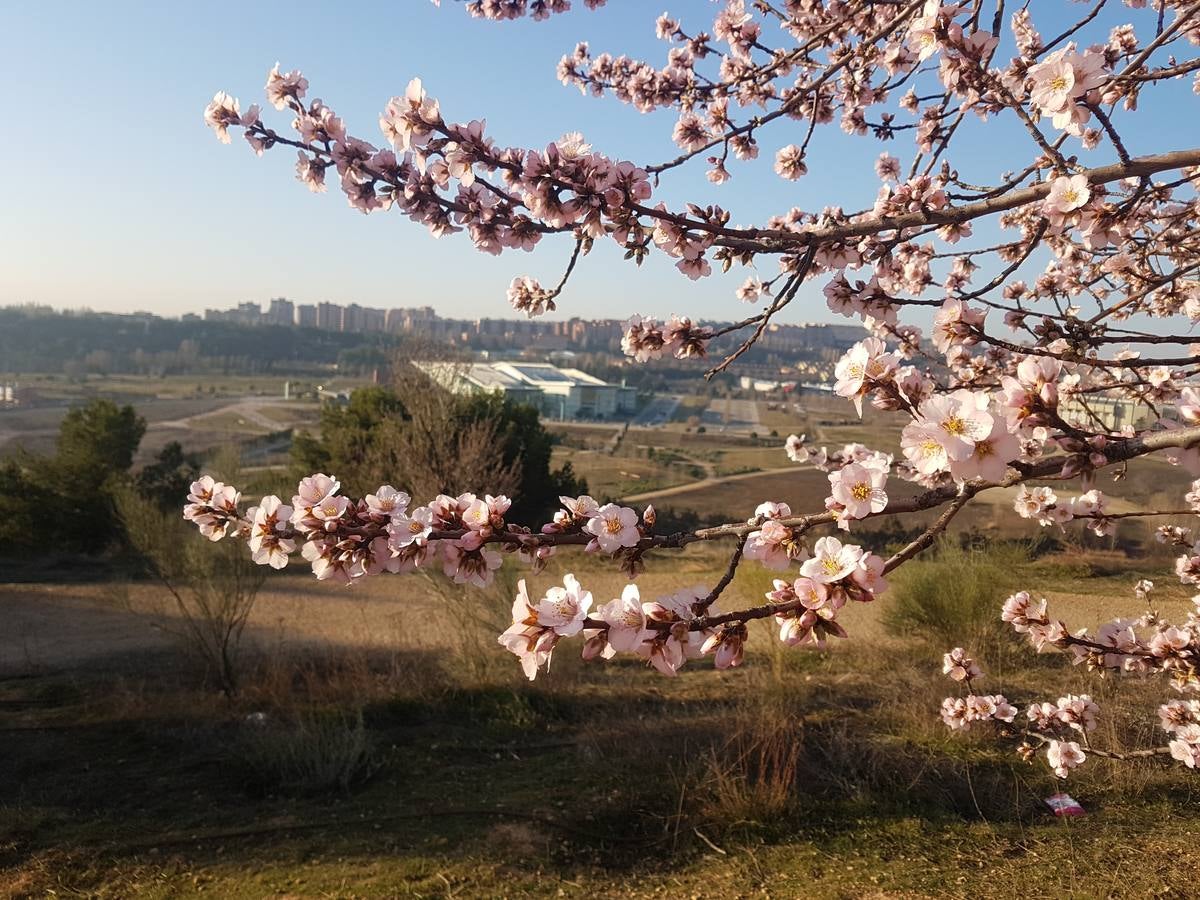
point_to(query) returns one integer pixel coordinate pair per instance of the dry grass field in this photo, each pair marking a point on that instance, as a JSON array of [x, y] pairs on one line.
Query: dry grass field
[[199, 423], [383, 745], [199, 411]]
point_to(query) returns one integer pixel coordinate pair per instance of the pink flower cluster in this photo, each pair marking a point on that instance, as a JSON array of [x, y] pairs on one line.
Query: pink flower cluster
[[960, 434], [807, 609], [773, 544], [960, 667], [959, 713], [665, 632], [1042, 504], [1073, 711], [645, 339], [1061, 83], [344, 540], [1141, 646], [857, 490], [538, 10], [213, 507], [527, 296], [865, 367], [1181, 719]]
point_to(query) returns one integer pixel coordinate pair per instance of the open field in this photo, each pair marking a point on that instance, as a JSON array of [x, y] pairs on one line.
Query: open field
[[199, 424], [721, 451], [129, 388], [666, 457], [35, 428], [617, 476], [125, 777], [690, 408], [724, 475], [785, 418], [749, 413], [199, 411]]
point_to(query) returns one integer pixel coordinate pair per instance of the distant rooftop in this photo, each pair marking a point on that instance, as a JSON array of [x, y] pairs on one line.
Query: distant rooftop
[[539, 373], [512, 376], [582, 377], [490, 377]]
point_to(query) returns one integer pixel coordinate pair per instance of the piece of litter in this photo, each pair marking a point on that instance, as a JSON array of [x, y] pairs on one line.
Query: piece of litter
[[1065, 805]]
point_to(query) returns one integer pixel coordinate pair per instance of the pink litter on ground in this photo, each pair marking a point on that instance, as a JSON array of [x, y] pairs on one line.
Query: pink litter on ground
[[1065, 805]]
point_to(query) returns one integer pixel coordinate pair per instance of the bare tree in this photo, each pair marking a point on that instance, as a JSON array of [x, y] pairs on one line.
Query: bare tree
[[210, 591], [439, 446]]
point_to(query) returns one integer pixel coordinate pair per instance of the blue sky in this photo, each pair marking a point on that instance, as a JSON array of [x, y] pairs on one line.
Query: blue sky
[[116, 196]]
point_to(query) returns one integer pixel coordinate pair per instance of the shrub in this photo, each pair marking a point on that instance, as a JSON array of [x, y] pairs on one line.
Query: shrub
[[752, 776], [210, 592], [311, 752], [954, 595]]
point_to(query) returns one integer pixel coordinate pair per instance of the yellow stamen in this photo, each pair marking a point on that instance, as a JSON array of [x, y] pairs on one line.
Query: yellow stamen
[[954, 425]]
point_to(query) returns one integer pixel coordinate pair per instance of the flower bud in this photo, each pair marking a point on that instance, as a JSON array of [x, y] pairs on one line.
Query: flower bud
[[594, 646]]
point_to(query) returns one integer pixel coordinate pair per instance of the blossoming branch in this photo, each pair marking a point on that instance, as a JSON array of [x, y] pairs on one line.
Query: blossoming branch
[[1066, 280]]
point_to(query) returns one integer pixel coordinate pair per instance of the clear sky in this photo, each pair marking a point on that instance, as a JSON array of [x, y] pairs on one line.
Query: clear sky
[[116, 196]]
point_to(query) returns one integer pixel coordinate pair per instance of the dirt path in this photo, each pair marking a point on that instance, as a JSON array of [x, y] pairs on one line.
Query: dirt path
[[249, 409], [997, 497], [709, 468], [704, 483]]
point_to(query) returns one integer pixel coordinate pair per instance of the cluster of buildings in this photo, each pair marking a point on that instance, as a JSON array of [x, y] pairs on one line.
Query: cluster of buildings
[[328, 316], [823, 342], [558, 393], [486, 334]]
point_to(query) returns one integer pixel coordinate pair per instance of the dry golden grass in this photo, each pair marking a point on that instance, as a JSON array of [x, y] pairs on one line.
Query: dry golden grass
[[801, 774]]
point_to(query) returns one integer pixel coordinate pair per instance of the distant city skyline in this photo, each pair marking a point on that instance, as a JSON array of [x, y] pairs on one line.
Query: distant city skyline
[[275, 311], [356, 317], [480, 333], [124, 201]]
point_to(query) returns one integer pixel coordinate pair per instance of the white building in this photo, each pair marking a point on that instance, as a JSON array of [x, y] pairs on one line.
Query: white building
[[557, 393], [1113, 413], [481, 378], [758, 385], [567, 393]]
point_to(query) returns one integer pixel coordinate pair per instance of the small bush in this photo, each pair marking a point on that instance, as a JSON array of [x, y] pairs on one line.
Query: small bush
[[313, 753], [208, 592], [752, 777], [828, 749], [954, 596]]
